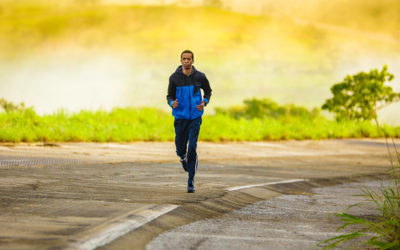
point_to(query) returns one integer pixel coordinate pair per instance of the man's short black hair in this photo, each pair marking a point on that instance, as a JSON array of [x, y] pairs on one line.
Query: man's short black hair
[[187, 51]]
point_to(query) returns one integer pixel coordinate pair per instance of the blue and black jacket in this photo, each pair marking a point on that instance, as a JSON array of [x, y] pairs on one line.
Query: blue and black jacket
[[187, 90]]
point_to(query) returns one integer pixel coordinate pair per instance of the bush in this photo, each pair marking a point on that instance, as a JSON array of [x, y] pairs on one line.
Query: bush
[[266, 108]]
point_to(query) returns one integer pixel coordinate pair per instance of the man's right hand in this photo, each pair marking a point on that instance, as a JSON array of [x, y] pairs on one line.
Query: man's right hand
[[175, 103]]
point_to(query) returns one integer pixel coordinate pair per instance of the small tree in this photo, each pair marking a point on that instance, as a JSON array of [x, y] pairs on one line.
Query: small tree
[[360, 96]]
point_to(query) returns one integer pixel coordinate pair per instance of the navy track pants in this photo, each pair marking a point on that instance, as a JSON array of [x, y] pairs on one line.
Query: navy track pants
[[188, 131]]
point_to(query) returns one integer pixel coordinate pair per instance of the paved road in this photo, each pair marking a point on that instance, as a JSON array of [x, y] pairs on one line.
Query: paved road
[[283, 222], [122, 196]]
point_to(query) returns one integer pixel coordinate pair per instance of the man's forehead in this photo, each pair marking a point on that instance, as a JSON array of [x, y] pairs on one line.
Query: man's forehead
[[186, 55]]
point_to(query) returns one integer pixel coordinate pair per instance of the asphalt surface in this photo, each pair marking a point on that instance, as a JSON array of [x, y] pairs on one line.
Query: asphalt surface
[[132, 196], [284, 222]]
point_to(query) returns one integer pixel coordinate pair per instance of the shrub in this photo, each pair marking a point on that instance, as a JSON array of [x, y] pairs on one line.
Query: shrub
[[266, 108], [360, 96]]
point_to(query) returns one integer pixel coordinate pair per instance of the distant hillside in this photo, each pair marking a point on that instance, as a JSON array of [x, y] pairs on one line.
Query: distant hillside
[[30, 23], [32, 26], [368, 15]]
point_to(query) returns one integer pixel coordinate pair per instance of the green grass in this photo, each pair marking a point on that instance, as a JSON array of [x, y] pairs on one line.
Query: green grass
[[150, 124], [119, 125]]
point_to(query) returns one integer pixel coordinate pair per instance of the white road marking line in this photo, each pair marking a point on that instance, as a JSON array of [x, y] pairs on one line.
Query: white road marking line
[[266, 184], [122, 226]]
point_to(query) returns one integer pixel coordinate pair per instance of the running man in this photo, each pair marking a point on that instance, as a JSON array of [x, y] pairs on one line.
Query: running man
[[184, 96]]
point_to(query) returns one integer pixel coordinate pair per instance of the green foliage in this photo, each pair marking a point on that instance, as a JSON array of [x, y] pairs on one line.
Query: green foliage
[[118, 125], [360, 96], [265, 121], [266, 108]]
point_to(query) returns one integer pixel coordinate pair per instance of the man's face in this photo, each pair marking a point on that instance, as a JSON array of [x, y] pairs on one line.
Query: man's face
[[187, 61]]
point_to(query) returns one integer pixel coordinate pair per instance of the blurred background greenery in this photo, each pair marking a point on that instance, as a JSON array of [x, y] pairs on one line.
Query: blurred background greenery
[[99, 54], [255, 120]]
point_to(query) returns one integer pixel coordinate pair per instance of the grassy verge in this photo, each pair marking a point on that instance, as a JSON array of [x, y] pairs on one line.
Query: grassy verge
[[119, 125], [248, 123]]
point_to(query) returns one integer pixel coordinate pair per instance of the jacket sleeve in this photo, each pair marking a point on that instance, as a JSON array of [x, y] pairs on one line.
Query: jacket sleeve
[[171, 96], [207, 90]]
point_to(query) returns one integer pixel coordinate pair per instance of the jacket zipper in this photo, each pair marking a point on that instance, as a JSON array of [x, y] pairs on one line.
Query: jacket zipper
[[190, 101]]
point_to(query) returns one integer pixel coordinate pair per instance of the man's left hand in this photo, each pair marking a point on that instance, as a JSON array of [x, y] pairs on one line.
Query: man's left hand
[[201, 106]]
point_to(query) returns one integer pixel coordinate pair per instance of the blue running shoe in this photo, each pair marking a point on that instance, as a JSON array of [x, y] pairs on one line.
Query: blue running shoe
[[184, 163]]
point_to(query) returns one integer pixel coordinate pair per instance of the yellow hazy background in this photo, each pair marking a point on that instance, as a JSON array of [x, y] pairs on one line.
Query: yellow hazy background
[[103, 53]]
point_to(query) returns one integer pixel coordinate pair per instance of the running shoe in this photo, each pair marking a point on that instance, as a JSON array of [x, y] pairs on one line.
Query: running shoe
[[190, 188], [184, 163]]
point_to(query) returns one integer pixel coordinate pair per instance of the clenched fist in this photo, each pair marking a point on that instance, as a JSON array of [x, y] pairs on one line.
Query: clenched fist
[[175, 103], [201, 106]]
